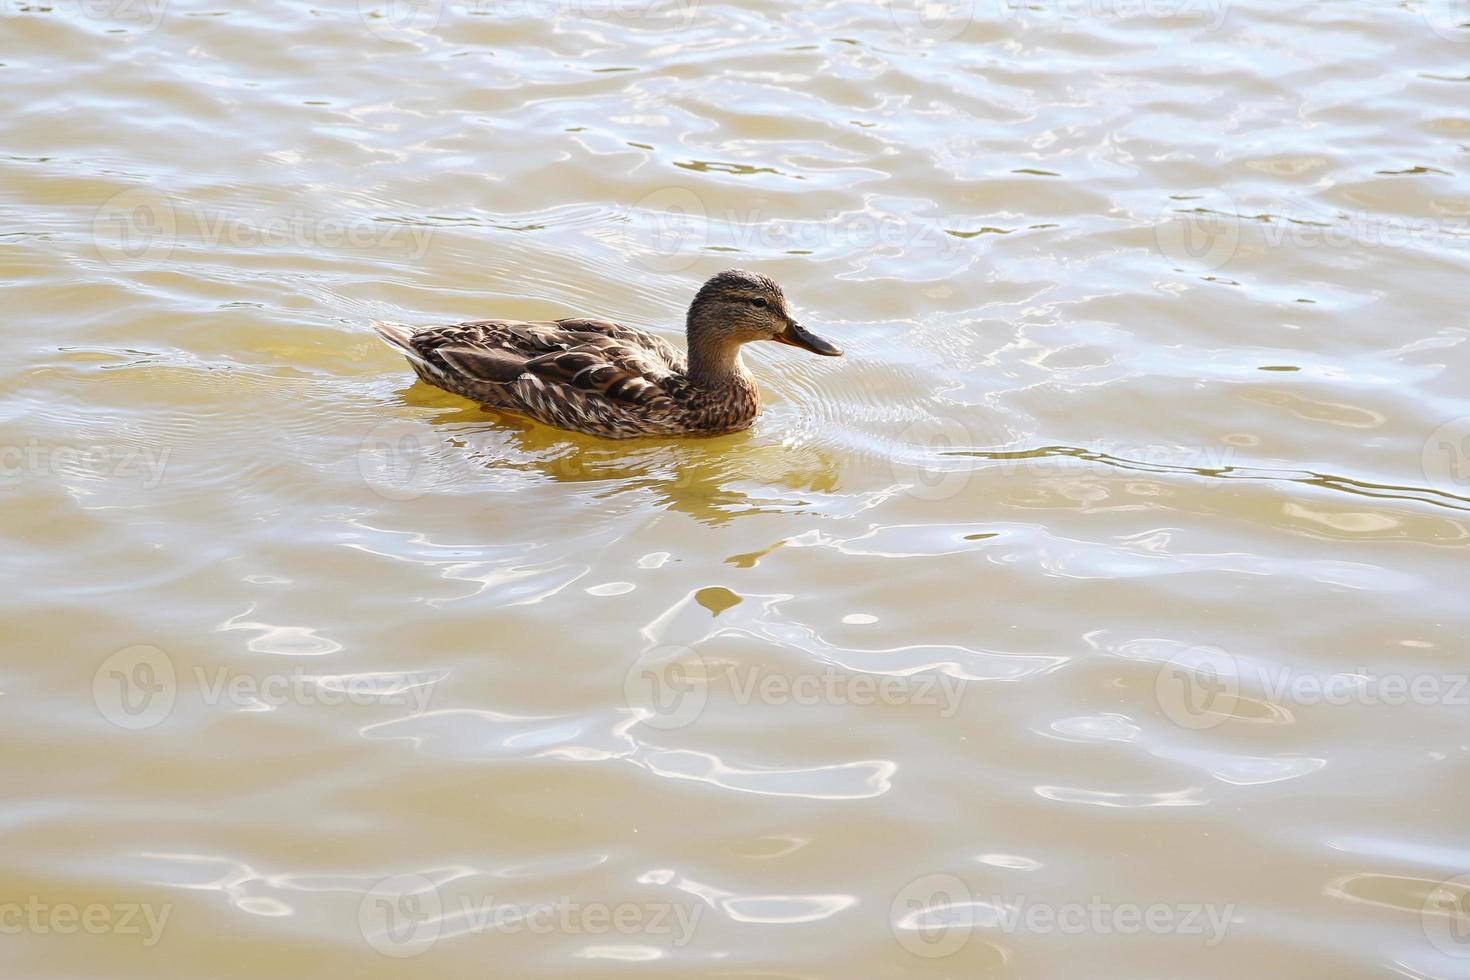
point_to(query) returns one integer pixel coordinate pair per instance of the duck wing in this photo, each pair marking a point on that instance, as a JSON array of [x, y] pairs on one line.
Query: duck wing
[[575, 373]]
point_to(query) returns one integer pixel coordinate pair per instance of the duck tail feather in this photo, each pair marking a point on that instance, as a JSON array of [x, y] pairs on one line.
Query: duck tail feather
[[395, 334]]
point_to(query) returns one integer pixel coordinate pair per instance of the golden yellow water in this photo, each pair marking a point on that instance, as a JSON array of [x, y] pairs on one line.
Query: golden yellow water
[[1101, 614]]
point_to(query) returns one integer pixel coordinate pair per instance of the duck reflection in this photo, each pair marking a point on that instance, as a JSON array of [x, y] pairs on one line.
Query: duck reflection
[[713, 480]]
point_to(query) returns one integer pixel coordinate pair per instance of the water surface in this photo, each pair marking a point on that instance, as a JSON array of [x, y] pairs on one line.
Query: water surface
[[1101, 613]]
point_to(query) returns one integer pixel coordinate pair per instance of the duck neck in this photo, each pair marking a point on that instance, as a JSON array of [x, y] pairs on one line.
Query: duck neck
[[714, 362]]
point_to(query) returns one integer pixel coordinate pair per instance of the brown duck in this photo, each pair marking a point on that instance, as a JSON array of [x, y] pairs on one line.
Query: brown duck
[[610, 380]]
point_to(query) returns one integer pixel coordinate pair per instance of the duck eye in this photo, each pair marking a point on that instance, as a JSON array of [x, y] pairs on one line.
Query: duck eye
[[759, 302]]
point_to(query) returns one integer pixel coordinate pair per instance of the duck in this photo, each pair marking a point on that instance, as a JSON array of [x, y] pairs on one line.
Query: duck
[[610, 380]]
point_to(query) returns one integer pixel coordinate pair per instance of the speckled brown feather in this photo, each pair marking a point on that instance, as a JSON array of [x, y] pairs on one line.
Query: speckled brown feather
[[590, 376]]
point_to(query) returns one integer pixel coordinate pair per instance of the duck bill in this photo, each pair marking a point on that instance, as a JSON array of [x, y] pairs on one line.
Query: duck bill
[[798, 336]]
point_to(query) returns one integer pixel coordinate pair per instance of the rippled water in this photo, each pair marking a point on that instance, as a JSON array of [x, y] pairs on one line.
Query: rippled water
[[1100, 614]]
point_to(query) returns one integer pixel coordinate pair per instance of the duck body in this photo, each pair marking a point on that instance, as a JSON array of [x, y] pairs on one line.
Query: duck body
[[591, 376], [611, 380]]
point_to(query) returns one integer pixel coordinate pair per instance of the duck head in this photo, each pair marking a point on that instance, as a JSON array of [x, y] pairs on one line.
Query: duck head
[[738, 307]]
